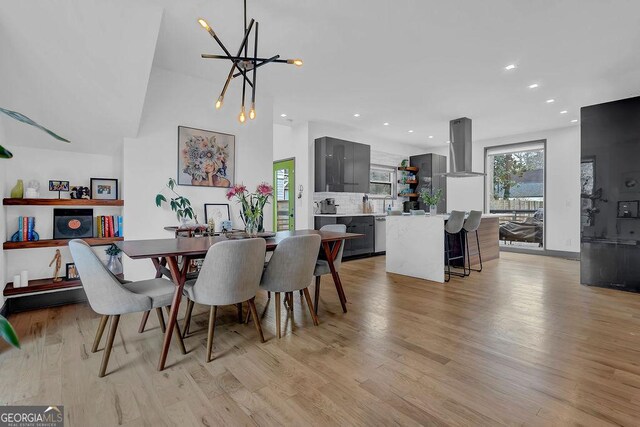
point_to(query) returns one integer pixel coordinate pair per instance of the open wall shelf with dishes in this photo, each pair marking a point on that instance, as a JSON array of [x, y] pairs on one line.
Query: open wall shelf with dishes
[[408, 178]]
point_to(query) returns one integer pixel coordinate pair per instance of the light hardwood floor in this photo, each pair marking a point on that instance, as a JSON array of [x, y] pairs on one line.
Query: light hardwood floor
[[520, 343]]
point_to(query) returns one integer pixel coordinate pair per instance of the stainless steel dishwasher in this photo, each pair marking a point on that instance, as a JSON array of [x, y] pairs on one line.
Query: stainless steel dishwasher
[[381, 234]]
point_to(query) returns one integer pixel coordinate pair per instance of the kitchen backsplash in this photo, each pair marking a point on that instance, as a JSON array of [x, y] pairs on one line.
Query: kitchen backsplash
[[351, 203]]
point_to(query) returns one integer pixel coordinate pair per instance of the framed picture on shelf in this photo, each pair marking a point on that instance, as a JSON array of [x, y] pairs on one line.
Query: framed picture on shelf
[[628, 209], [58, 186], [218, 212], [104, 188], [71, 272], [205, 158]]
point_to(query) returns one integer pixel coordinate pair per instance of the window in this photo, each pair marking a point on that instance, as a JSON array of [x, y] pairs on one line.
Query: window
[[515, 191], [381, 181]]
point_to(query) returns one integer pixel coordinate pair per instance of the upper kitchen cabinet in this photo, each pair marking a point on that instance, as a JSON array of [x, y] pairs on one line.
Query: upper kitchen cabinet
[[341, 166], [431, 170]]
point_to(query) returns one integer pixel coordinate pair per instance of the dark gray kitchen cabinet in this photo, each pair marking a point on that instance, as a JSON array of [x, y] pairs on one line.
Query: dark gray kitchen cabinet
[[365, 225], [341, 166], [431, 170]]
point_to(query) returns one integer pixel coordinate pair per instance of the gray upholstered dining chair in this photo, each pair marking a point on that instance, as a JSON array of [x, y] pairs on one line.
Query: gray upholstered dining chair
[[322, 265], [291, 269], [471, 224], [453, 228], [112, 297], [230, 274]]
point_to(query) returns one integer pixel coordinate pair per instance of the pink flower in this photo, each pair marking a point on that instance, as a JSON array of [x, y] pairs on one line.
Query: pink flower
[[264, 189], [231, 193], [240, 189]]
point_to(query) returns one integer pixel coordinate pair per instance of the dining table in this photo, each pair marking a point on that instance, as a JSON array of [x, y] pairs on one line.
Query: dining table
[[172, 257]]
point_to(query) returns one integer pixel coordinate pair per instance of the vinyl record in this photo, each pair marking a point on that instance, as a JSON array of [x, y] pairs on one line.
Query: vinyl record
[[72, 223]]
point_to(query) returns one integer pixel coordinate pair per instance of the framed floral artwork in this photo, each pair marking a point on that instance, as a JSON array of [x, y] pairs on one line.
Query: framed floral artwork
[[205, 158]]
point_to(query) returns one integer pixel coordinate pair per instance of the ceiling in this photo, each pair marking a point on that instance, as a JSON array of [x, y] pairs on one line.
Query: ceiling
[[78, 67], [81, 67], [416, 64]]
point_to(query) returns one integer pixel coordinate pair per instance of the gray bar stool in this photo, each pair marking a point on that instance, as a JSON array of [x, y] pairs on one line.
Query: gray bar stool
[[471, 224], [453, 227]]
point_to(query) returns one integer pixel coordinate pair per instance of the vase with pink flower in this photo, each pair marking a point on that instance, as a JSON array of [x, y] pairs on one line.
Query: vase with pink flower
[[252, 204]]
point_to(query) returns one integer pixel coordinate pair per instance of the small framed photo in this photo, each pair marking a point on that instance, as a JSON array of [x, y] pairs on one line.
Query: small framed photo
[[104, 188], [58, 185], [72, 272], [628, 209], [218, 212]]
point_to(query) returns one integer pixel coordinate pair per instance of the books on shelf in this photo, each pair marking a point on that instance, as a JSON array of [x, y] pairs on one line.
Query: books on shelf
[[26, 224], [109, 226]]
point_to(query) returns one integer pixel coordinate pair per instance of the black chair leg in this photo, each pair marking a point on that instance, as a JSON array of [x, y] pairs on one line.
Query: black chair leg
[[479, 253]]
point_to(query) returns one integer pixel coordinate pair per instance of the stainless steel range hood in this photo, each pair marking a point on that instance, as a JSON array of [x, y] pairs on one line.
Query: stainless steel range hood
[[460, 149]]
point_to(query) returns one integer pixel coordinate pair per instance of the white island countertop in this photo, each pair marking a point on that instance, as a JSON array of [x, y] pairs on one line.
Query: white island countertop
[[415, 246]]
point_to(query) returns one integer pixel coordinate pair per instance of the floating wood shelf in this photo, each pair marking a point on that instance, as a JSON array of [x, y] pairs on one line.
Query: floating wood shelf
[[407, 195], [61, 202], [410, 181], [408, 168], [41, 285], [93, 241]]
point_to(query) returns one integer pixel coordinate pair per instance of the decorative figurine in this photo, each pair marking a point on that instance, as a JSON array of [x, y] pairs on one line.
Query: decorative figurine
[[57, 258], [17, 192], [80, 193], [32, 191]]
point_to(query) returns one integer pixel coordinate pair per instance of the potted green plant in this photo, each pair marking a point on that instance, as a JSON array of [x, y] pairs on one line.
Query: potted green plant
[[179, 204], [6, 154], [8, 333], [431, 199]]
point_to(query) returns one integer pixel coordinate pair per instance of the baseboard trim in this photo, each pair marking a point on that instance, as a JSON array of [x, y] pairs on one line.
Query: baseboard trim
[[544, 252]]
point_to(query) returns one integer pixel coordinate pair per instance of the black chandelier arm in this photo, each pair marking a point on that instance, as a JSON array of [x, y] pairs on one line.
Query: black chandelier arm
[[266, 61], [255, 65], [248, 58], [235, 64]]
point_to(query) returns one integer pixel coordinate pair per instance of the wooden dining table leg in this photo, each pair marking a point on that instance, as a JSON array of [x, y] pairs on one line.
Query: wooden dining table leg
[[179, 276], [334, 273]]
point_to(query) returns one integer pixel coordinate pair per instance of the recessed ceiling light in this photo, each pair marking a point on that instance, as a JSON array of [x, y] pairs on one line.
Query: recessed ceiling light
[[533, 86], [510, 67], [283, 115], [430, 136], [574, 121], [410, 131], [551, 101], [563, 112], [356, 115], [385, 124]]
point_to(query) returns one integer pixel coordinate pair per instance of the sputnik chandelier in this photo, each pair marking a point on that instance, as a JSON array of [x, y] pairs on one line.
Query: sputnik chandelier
[[242, 64]]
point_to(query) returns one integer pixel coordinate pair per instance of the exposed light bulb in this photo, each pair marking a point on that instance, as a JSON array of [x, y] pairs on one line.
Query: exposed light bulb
[[241, 117], [296, 62], [252, 111], [204, 24], [219, 102]]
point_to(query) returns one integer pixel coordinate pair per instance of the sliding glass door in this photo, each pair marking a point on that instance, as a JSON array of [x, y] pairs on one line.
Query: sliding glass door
[[516, 190]]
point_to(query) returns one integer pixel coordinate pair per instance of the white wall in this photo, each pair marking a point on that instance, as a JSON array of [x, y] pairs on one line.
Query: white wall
[[150, 159], [44, 165], [562, 204]]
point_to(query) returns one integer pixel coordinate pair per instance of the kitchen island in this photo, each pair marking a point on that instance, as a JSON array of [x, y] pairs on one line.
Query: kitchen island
[[415, 244]]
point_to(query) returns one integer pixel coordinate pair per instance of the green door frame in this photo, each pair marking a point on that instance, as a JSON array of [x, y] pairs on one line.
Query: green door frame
[[290, 165]]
